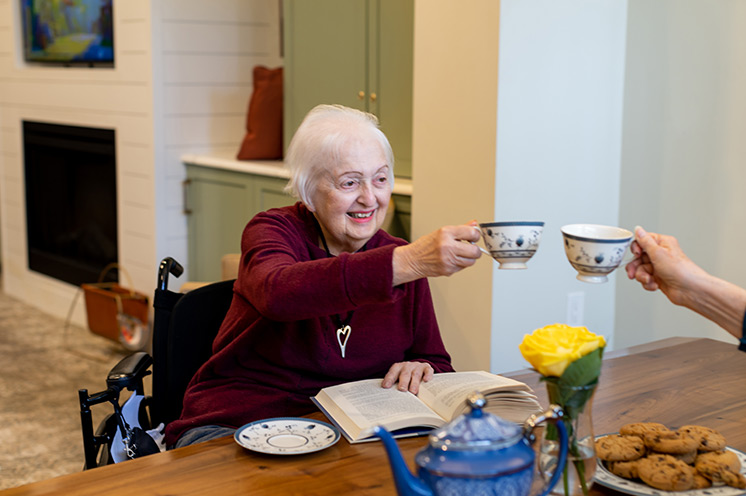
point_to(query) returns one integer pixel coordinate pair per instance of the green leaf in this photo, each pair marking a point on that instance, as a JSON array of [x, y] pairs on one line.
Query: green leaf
[[584, 370]]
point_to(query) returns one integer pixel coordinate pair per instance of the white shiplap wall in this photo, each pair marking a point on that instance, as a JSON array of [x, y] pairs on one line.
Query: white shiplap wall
[[181, 83], [117, 98], [207, 51]]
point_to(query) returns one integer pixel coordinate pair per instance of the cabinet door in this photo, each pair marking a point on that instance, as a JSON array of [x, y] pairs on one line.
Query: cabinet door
[[325, 56], [402, 223], [219, 203], [357, 53], [270, 193], [393, 84]]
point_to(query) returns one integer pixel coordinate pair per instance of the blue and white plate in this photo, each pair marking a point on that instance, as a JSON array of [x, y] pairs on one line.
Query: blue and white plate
[[606, 478], [286, 436]]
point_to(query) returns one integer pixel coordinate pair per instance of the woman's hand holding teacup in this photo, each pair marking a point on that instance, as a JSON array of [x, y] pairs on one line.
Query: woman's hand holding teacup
[[440, 253]]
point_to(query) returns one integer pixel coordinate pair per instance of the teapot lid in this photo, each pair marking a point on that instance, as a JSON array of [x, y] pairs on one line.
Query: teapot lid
[[476, 430]]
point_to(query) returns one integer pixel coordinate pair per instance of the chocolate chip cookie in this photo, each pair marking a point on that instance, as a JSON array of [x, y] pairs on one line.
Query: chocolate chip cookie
[[721, 466], [709, 439], [617, 448], [666, 473], [626, 470], [700, 481], [687, 458], [640, 428], [723, 458], [671, 442]]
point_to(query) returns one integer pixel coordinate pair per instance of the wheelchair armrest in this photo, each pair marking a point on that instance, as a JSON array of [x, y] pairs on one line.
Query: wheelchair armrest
[[129, 372]]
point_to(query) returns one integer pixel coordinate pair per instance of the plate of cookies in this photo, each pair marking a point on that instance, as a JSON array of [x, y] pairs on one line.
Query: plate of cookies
[[649, 459]]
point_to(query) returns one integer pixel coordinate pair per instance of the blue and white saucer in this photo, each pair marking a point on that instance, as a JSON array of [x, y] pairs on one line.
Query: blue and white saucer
[[286, 436]]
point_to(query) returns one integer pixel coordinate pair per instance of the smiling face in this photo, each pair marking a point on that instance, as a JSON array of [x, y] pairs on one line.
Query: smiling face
[[352, 195]]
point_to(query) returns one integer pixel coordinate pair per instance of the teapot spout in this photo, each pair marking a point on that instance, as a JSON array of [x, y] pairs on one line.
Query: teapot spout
[[406, 483]]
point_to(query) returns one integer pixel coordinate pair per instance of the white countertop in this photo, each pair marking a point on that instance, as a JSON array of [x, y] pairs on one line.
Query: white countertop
[[270, 168]]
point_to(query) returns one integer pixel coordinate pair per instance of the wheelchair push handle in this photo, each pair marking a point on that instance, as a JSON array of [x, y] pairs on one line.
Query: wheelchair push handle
[[168, 265], [129, 372]]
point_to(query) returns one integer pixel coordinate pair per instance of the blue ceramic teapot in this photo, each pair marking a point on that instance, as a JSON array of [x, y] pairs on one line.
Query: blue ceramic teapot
[[476, 453]]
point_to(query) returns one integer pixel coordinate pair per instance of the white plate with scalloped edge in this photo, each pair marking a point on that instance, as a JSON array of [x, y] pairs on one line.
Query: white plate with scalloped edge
[[286, 436]]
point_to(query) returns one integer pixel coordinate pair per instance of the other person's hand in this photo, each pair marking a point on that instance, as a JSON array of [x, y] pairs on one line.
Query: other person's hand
[[660, 263]]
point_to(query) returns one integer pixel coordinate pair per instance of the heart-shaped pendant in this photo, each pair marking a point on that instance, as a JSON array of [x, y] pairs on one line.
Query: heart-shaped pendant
[[343, 335]]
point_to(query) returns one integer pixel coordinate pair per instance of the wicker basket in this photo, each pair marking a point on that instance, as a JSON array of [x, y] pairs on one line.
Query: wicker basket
[[112, 310]]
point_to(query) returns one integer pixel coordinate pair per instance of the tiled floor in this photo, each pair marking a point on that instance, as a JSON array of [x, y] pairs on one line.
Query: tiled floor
[[42, 366]]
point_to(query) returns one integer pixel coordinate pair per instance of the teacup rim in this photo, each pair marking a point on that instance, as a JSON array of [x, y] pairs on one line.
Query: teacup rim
[[512, 223], [624, 234]]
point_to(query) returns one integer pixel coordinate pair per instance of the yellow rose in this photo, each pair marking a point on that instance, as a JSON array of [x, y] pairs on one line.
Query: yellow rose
[[552, 348]]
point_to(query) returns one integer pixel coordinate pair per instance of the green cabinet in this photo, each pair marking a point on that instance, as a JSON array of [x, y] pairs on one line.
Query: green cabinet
[[401, 225], [357, 53], [218, 204]]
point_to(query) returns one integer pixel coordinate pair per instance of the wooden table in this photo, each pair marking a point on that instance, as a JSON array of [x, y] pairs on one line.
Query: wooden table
[[675, 382]]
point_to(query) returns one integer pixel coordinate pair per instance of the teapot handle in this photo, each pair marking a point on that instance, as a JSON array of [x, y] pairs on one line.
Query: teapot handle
[[554, 414]]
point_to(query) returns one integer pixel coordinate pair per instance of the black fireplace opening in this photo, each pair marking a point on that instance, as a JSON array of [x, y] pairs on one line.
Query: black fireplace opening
[[71, 201]]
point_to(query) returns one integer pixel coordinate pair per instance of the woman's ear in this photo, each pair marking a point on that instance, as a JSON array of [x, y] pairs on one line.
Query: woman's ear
[[309, 192]]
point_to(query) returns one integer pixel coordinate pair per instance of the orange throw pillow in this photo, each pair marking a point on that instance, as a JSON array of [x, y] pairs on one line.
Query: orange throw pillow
[[263, 140]]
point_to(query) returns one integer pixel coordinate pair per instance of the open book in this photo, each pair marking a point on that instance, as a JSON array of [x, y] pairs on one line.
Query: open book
[[356, 407]]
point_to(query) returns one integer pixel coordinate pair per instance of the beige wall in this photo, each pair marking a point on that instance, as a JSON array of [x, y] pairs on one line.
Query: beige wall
[[455, 131]]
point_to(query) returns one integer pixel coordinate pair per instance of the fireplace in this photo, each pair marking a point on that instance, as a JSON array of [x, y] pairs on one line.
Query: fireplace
[[71, 201]]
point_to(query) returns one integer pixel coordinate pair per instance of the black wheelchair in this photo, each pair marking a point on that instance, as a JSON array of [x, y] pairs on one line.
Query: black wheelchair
[[184, 327]]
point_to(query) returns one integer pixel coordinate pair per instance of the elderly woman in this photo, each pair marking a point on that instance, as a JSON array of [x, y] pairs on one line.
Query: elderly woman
[[323, 295]]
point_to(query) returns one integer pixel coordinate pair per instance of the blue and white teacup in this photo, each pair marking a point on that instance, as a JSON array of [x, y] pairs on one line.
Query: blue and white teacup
[[595, 251], [511, 243]]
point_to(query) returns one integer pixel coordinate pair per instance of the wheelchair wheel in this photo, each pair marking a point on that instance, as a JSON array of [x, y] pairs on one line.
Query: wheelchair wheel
[[133, 333]]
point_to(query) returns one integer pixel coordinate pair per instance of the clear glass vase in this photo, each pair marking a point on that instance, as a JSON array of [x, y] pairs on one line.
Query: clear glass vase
[[577, 403]]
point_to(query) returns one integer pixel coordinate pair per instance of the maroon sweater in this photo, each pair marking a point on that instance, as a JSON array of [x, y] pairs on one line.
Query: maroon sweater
[[278, 347]]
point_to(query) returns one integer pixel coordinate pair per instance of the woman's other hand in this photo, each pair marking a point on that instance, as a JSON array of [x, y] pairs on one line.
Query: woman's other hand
[[440, 253], [409, 375]]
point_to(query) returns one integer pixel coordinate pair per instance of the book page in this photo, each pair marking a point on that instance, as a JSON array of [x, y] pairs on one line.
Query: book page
[[446, 393], [366, 404], [514, 406]]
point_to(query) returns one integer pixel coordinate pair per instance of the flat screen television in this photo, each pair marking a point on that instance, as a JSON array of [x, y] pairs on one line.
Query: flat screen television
[[68, 31]]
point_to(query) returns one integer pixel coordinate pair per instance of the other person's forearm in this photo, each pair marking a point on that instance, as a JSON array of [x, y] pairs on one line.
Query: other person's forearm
[[720, 301]]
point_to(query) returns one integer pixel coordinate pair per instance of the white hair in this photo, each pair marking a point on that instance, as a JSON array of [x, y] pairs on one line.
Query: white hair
[[318, 142]]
